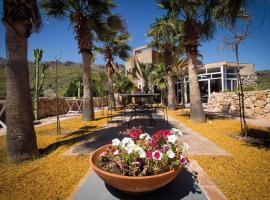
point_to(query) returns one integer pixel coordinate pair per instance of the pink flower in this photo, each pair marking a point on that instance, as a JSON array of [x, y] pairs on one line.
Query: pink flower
[[153, 143], [183, 160], [103, 154], [157, 155], [135, 133], [161, 134], [149, 154], [138, 162]]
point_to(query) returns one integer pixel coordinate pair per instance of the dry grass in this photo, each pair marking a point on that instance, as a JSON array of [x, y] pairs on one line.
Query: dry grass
[[247, 174], [53, 176]]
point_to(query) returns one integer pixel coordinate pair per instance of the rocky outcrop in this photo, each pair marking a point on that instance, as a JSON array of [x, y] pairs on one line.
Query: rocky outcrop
[[257, 103]]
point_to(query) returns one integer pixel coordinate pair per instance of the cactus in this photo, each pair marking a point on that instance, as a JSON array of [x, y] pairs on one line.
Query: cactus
[[38, 84], [79, 88]]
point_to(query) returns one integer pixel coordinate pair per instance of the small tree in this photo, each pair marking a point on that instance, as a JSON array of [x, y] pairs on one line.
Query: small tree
[[58, 126], [38, 53], [233, 43]]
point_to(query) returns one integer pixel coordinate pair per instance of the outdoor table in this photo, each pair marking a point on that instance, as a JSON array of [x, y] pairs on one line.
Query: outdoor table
[[143, 105], [74, 105], [3, 103]]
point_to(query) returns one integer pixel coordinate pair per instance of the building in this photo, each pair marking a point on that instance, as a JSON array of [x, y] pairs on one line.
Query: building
[[213, 77], [143, 54], [219, 77]]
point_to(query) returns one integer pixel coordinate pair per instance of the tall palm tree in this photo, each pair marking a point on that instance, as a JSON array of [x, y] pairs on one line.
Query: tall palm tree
[[87, 18], [115, 44], [166, 37], [20, 19], [198, 20]]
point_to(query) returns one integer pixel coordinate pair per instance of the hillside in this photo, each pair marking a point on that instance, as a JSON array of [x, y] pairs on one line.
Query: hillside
[[66, 75], [263, 80]]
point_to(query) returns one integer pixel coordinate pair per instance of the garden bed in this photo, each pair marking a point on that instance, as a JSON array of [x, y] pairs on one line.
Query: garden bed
[[246, 175]]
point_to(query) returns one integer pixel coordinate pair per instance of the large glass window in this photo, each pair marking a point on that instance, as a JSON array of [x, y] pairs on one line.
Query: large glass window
[[215, 85], [229, 86], [204, 90], [230, 70]]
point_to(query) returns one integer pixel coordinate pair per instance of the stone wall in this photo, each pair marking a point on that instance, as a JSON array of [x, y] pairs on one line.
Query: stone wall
[[249, 79], [257, 103], [47, 107]]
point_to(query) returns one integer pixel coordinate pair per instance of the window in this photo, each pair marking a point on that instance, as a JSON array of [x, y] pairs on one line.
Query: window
[[202, 71], [215, 85], [230, 70], [231, 75], [213, 70], [205, 76], [216, 75]]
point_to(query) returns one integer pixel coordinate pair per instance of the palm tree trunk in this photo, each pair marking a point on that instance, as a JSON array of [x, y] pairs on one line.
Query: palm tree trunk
[[171, 92], [110, 88], [88, 104], [196, 108], [21, 137]]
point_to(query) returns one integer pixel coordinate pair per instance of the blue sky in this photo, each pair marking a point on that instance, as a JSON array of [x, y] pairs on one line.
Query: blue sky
[[56, 36]]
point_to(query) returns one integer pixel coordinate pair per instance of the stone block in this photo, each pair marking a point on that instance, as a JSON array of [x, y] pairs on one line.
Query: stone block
[[259, 103]]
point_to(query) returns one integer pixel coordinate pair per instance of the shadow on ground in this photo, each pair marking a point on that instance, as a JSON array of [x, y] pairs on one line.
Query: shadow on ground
[[258, 138], [77, 136], [182, 186], [89, 140], [117, 129]]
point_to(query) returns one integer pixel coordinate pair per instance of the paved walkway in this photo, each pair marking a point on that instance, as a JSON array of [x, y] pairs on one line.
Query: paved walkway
[[255, 121], [199, 145], [190, 184]]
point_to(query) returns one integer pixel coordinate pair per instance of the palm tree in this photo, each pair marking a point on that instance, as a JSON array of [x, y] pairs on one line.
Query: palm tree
[[158, 78], [198, 20], [122, 84], [144, 71], [88, 19], [20, 19], [165, 36], [115, 44]]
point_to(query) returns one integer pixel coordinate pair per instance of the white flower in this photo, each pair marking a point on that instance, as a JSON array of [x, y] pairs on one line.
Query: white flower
[[170, 153], [186, 146], [141, 152], [130, 148], [145, 136], [115, 142], [172, 138], [116, 152], [177, 131], [126, 141]]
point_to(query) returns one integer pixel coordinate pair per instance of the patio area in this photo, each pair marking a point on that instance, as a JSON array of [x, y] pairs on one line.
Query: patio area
[[213, 145]]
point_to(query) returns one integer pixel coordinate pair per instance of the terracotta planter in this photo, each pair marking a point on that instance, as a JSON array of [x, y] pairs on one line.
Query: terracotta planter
[[131, 184]]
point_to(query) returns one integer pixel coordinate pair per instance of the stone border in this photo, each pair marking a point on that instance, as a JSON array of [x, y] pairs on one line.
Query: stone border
[[207, 185]]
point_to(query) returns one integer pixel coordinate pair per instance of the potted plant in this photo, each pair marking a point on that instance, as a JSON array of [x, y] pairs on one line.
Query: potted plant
[[141, 163]]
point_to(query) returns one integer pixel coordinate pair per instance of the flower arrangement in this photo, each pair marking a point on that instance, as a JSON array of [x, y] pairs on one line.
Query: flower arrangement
[[143, 155]]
